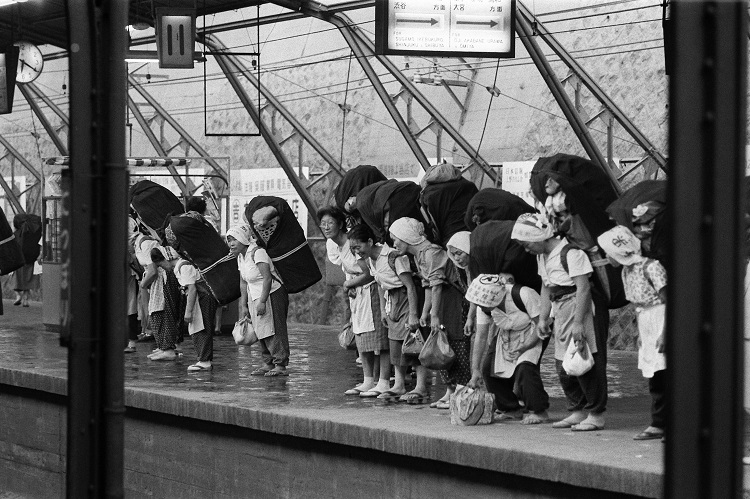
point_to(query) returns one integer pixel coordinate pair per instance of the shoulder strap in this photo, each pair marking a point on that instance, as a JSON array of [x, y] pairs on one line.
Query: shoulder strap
[[515, 293], [648, 263], [564, 256]]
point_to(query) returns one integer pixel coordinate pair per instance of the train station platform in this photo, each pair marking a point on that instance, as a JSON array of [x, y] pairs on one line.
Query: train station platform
[[225, 433]]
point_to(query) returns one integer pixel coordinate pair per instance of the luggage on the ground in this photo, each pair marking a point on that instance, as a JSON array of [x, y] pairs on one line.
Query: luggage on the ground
[[443, 200], [28, 234], [643, 210], [493, 251], [576, 193], [494, 204], [353, 181], [193, 237], [153, 203], [382, 203], [471, 406], [11, 254], [279, 232]]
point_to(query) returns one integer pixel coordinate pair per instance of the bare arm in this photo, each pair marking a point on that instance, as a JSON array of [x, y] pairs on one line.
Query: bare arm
[[583, 303], [265, 271], [545, 308], [244, 308], [424, 319], [191, 295], [478, 355], [149, 276], [361, 279], [411, 295], [436, 307], [661, 340]]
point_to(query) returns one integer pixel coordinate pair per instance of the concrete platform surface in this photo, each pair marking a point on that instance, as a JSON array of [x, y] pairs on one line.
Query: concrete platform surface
[[310, 404]]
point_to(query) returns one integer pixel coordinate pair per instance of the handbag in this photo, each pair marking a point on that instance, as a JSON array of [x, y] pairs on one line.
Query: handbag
[[576, 364], [347, 339], [436, 353], [244, 332], [413, 343], [470, 406]]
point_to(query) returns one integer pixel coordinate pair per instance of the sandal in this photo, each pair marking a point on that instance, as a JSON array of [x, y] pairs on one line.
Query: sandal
[[414, 398], [261, 371], [276, 372], [649, 435]]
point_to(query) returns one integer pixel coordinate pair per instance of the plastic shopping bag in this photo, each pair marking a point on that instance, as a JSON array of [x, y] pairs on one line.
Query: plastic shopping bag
[[244, 332], [346, 338], [436, 352], [413, 343], [575, 363]]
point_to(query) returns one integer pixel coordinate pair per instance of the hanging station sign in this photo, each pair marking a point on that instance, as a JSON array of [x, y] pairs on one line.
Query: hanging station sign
[[448, 28]]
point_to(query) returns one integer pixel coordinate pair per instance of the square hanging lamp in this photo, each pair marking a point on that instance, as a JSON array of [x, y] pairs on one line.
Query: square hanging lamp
[[175, 37]]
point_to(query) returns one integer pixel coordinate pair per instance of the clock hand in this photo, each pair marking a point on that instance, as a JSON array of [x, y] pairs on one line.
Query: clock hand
[[24, 63]]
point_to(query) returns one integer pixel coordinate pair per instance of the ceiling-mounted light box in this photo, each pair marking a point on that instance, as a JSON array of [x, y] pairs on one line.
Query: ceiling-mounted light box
[[8, 69], [175, 37]]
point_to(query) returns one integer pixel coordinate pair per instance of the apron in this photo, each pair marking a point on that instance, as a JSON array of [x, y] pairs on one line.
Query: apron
[[650, 326], [514, 327], [263, 324]]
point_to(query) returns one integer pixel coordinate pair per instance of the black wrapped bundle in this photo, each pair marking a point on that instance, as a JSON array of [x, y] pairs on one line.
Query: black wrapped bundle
[[494, 204], [444, 205], [384, 202], [153, 203], [11, 255], [28, 234], [354, 181], [279, 232], [652, 196]]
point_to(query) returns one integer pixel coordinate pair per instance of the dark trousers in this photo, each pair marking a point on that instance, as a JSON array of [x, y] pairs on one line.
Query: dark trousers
[[275, 349], [134, 327], [657, 387], [203, 343], [525, 385], [601, 332], [587, 392]]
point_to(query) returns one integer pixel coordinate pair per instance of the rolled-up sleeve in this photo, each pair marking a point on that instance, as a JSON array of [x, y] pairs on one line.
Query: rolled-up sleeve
[[432, 263]]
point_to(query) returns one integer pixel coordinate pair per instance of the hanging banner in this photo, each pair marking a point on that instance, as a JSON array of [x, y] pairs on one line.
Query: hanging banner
[[517, 179]]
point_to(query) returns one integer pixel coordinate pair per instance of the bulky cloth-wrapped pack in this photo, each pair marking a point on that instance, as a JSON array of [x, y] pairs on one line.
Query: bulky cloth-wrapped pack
[[11, 255], [494, 204], [643, 210], [153, 203], [382, 203], [28, 234], [444, 199], [353, 181], [278, 231], [494, 252], [192, 236], [470, 406]]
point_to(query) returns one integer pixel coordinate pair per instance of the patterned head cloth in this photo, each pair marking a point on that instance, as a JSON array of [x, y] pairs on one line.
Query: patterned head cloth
[[532, 228], [409, 230], [488, 290], [461, 241], [621, 245], [242, 232], [168, 252]]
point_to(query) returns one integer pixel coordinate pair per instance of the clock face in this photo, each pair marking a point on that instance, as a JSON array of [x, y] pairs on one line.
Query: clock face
[[30, 62]]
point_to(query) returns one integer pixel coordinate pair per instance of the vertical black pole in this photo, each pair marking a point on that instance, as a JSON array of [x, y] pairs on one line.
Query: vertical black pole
[[707, 140], [95, 315]]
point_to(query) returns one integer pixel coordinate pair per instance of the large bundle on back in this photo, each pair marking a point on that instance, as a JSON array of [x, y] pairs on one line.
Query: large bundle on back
[[493, 251], [28, 234], [192, 236], [444, 198], [279, 232], [494, 204], [152, 204], [575, 193], [384, 202], [351, 183], [11, 255], [643, 210]]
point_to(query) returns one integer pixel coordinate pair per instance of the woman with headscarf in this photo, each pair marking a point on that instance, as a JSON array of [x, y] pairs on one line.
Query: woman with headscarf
[[369, 331], [164, 303], [443, 299], [260, 287], [459, 250]]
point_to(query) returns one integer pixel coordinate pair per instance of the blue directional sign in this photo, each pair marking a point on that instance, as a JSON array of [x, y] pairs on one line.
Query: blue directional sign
[[450, 28]]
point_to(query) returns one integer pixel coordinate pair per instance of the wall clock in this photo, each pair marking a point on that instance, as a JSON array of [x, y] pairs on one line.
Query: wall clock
[[30, 62]]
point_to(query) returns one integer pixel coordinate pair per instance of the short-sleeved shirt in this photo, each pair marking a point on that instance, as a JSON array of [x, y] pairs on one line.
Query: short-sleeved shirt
[[432, 261], [643, 281], [186, 273], [343, 256], [250, 272], [381, 270], [143, 245], [551, 269]]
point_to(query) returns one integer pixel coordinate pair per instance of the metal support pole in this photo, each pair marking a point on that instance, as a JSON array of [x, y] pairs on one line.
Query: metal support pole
[[567, 107], [372, 75], [45, 122], [186, 187], [13, 152], [230, 69], [11, 196], [216, 45], [93, 279], [163, 113], [707, 127], [557, 48]]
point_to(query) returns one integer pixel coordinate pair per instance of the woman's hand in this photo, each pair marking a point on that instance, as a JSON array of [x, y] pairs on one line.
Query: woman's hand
[[476, 381], [577, 331], [471, 325], [188, 317], [424, 321], [660, 343], [413, 323], [260, 308], [244, 311]]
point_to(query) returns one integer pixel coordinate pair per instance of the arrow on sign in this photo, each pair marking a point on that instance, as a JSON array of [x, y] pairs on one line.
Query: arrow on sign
[[431, 22], [491, 24]]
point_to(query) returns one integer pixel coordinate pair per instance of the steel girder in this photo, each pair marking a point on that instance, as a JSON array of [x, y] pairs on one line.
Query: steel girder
[[543, 33], [29, 96], [231, 68], [216, 45]]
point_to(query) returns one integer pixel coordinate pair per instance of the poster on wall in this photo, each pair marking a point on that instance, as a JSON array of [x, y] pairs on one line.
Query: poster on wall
[[247, 184], [516, 179]]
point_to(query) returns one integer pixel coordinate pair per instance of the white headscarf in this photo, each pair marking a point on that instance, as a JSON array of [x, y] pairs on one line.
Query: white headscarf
[[532, 227], [461, 241], [409, 230], [242, 232], [622, 245]]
